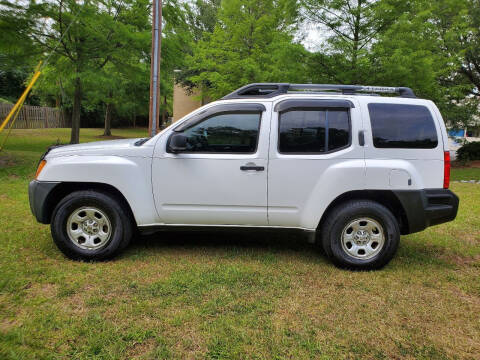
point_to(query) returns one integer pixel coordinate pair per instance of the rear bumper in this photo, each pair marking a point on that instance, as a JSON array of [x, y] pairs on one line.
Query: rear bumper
[[38, 192], [428, 207]]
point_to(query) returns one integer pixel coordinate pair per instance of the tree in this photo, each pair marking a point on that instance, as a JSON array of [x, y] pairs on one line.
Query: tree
[[202, 17], [349, 28], [459, 24], [81, 38], [423, 49], [17, 53], [432, 47], [176, 44], [252, 41], [16, 47], [120, 88]]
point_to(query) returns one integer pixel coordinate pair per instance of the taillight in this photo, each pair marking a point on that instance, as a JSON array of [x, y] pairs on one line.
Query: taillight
[[40, 167], [446, 169]]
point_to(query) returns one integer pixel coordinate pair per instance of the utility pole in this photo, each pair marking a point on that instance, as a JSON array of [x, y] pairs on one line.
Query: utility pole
[[155, 67]]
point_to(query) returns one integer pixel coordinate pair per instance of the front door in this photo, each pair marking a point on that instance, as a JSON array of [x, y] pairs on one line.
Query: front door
[[221, 177]]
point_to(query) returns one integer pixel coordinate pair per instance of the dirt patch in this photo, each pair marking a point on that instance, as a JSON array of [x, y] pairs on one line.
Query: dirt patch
[[41, 290], [6, 160], [75, 305], [463, 260], [141, 348], [8, 324], [471, 164]]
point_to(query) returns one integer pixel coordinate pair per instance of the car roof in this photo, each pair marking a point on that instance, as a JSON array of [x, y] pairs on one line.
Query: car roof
[[356, 99], [270, 90]]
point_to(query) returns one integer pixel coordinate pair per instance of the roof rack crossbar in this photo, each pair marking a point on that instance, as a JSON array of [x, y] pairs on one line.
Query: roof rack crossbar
[[268, 90]]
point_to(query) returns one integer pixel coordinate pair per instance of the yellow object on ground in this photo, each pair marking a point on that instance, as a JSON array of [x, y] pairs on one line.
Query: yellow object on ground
[[11, 124], [13, 114]]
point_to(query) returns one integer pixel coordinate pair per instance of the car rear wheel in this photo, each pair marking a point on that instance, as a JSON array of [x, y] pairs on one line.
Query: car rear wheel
[[360, 234], [91, 225]]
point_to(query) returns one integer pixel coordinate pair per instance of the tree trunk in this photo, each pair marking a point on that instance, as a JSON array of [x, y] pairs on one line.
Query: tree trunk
[[108, 120], [77, 106], [356, 39], [164, 112], [66, 112], [134, 117], [67, 116]]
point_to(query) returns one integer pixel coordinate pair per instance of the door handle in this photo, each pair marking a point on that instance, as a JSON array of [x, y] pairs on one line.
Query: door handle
[[252, 167], [361, 138]]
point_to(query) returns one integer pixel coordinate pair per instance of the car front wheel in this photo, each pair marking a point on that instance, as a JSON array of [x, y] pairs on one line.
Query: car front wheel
[[91, 225]]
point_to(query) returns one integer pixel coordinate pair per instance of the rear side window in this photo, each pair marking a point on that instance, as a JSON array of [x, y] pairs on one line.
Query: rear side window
[[313, 131], [402, 126]]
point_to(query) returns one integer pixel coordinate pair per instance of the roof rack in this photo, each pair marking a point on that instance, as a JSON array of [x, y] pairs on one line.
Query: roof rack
[[268, 90]]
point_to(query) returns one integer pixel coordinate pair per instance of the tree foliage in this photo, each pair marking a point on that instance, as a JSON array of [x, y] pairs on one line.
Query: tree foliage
[[100, 68], [417, 50], [252, 42], [98, 54], [469, 152], [81, 39], [349, 29], [430, 46]]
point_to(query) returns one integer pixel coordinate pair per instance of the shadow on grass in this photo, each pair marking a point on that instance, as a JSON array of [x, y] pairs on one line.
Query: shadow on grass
[[228, 243], [411, 252], [414, 252]]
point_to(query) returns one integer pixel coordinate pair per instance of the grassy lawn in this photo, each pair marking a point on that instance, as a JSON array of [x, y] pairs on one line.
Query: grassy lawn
[[465, 174], [174, 296]]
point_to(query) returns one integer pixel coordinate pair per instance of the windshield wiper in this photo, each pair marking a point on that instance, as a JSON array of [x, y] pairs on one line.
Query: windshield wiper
[[141, 141]]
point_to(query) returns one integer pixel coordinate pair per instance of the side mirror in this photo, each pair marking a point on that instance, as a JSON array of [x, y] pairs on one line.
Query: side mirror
[[177, 143]]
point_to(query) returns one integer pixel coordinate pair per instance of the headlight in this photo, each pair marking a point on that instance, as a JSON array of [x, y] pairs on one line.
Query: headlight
[[41, 164]]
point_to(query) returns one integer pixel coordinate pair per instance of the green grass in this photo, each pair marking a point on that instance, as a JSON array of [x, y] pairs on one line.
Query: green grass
[[2, 100], [459, 174], [174, 296]]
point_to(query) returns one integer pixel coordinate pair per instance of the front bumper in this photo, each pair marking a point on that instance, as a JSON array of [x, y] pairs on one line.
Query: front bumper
[[428, 207], [38, 192]]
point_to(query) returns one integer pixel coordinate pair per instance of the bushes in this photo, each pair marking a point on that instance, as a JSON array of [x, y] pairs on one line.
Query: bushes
[[469, 151]]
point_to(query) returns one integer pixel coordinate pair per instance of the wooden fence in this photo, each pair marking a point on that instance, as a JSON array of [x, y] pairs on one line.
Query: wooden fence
[[35, 117]]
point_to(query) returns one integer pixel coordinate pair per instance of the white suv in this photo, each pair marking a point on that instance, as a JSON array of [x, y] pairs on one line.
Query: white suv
[[350, 169]]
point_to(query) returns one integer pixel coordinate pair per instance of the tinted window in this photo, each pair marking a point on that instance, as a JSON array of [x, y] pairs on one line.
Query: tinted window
[[402, 126], [224, 133], [313, 131], [338, 129]]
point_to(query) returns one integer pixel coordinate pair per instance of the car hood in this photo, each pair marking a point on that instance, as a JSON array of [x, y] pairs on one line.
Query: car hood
[[109, 147]]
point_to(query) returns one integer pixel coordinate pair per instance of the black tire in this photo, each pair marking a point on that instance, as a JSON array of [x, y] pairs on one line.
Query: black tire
[[113, 208], [341, 216]]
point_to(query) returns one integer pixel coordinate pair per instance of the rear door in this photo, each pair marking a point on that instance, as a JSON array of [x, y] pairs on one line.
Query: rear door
[[314, 157]]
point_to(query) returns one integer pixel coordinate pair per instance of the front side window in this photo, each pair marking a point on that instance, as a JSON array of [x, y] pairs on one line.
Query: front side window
[[225, 133], [313, 131], [402, 126]]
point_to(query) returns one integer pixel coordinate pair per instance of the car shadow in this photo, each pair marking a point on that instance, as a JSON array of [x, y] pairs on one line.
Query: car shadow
[[259, 244], [276, 242]]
